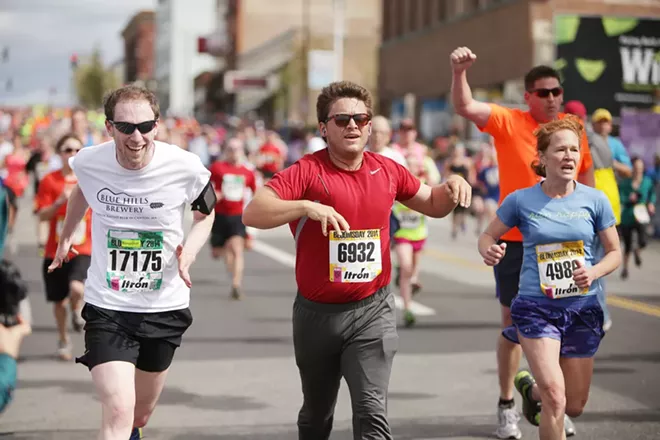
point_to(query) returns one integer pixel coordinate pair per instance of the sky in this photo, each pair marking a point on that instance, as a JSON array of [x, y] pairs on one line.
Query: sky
[[42, 35]]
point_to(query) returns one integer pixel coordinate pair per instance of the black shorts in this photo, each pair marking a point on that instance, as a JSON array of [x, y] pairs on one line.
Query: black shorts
[[507, 272], [627, 236], [267, 174], [57, 282], [147, 340], [226, 227]]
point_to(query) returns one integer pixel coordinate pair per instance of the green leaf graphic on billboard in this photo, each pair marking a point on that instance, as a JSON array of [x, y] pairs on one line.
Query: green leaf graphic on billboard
[[566, 27], [616, 26], [590, 70], [560, 63]]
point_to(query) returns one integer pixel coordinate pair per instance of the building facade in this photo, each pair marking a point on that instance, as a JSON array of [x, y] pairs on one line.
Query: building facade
[[138, 38], [294, 40], [179, 24], [508, 37]]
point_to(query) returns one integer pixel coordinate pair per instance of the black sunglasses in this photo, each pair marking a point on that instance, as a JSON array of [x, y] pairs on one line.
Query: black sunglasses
[[129, 128], [544, 93], [342, 119]]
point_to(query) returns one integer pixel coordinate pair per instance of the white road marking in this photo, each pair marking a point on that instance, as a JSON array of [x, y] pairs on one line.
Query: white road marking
[[289, 260]]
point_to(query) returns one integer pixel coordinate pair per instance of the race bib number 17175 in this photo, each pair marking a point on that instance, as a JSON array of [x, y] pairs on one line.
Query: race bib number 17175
[[135, 260]]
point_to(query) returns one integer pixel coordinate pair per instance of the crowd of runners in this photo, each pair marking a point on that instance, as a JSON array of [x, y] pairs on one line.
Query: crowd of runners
[[550, 189]]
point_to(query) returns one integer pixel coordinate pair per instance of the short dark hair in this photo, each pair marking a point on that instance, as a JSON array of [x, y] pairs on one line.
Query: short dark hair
[[634, 159], [129, 93], [78, 109], [63, 139], [337, 90], [537, 73]]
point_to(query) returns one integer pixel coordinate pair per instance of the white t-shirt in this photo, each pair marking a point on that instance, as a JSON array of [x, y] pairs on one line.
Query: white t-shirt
[[6, 148], [394, 155], [137, 223], [315, 144]]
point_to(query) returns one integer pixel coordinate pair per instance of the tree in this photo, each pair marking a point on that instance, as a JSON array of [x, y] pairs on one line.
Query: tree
[[92, 80]]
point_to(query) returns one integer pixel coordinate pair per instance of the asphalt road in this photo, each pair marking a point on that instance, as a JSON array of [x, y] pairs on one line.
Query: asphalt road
[[235, 377]]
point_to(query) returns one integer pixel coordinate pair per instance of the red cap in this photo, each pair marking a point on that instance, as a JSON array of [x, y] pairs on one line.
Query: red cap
[[576, 108]]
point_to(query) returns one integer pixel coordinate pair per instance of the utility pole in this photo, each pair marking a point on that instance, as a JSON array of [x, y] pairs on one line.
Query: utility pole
[[73, 62], [339, 7], [304, 108]]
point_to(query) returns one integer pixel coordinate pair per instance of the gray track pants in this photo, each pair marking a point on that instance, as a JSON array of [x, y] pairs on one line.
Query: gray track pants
[[356, 341]]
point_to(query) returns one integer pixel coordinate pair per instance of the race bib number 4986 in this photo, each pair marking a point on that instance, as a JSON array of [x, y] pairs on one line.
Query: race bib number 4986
[[355, 256], [556, 263], [135, 261]]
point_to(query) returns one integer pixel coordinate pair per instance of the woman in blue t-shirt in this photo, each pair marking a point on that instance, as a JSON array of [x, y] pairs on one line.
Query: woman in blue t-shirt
[[556, 316]]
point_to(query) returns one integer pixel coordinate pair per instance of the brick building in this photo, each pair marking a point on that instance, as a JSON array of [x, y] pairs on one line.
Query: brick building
[[138, 38], [508, 37], [275, 38]]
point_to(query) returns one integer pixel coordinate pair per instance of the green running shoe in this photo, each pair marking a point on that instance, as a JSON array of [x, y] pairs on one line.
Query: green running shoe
[[531, 408]]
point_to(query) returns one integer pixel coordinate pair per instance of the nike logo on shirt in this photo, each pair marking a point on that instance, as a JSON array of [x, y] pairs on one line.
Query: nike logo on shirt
[[374, 171]]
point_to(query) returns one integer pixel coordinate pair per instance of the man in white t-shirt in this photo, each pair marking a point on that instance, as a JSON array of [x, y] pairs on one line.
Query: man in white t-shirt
[[379, 141], [137, 290], [6, 148]]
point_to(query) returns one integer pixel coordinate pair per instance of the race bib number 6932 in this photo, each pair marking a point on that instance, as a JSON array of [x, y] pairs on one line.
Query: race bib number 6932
[[135, 261], [355, 256]]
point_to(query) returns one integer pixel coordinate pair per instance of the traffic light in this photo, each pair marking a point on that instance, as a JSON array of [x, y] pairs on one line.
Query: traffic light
[[74, 61]]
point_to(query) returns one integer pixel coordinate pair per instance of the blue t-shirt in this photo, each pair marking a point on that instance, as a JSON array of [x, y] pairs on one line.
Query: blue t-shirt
[[7, 380], [619, 152], [544, 221], [490, 177]]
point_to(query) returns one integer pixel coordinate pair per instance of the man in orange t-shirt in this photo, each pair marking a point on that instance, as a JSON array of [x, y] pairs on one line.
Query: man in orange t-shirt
[[64, 287], [515, 143]]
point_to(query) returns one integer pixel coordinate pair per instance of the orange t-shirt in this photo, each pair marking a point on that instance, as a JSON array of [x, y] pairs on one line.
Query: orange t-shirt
[[515, 143], [50, 189]]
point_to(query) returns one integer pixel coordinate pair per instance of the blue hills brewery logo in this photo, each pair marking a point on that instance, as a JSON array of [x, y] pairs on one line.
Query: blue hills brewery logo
[[125, 203]]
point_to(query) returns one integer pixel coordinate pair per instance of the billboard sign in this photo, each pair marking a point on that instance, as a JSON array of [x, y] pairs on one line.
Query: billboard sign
[[608, 62], [239, 81]]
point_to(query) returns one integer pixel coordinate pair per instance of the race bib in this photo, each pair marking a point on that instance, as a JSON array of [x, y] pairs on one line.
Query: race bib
[[268, 158], [355, 256], [641, 214], [135, 261], [233, 187], [556, 263], [79, 235], [409, 219]]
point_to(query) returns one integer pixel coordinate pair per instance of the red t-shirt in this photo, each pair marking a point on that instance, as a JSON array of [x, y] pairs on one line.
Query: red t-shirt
[[271, 155], [230, 182], [342, 269], [50, 189]]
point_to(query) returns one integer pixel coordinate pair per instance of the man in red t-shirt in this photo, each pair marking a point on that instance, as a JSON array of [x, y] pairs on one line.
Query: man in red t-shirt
[[337, 203], [231, 179], [64, 287], [270, 159]]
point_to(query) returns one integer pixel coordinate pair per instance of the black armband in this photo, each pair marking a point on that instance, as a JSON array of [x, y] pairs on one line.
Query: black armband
[[205, 202]]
